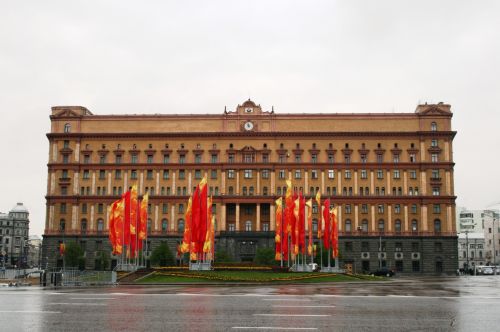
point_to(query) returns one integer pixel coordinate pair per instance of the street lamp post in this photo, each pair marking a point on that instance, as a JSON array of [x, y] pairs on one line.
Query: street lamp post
[[467, 251]]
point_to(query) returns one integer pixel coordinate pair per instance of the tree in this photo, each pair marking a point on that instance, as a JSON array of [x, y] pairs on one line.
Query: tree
[[221, 256], [73, 255], [102, 260], [264, 256], [162, 256]]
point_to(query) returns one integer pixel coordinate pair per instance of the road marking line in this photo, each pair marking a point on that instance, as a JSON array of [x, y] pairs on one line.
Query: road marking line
[[29, 312], [289, 315], [304, 306], [288, 299], [75, 303], [91, 298], [273, 328]]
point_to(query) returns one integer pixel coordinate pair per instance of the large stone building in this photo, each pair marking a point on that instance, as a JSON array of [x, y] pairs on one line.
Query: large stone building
[[14, 230], [390, 174]]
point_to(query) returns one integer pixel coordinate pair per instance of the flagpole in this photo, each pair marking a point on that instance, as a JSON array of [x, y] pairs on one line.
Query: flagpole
[[281, 233]]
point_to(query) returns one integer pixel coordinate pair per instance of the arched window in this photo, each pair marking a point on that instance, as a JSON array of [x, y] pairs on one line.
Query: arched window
[[364, 225], [67, 128], [244, 191], [230, 190], [397, 226], [434, 126], [100, 225], [381, 225], [164, 225], [250, 189], [348, 225], [83, 225], [437, 226], [315, 225], [278, 191], [180, 225], [62, 225], [248, 226], [414, 226]]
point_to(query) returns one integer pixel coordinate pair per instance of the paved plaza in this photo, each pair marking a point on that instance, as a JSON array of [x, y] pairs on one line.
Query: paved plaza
[[445, 304]]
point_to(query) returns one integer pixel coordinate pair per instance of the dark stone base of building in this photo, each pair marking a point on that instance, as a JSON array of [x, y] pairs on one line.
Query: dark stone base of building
[[407, 255]]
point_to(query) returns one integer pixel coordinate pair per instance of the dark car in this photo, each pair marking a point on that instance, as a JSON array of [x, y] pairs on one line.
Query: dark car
[[385, 272]]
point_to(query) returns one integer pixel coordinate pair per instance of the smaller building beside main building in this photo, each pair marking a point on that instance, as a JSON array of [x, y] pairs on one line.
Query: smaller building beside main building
[[14, 230]]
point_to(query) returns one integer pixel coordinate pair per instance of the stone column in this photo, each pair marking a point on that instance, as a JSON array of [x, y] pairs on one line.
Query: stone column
[[273, 183], [109, 182], [422, 151], [125, 181], [173, 183], [373, 228], [77, 152], [76, 178], [223, 218], [423, 217], [356, 217], [258, 217], [141, 183], [237, 182], [339, 211], [449, 219], [423, 185], [156, 227], [190, 183], [157, 189], [356, 182], [388, 182], [237, 216], [272, 218], [389, 218], [372, 183], [92, 210], [447, 176], [306, 182], [258, 183], [93, 183], [339, 183], [322, 181], [407, 229], [405, 183], [223, 184], [173, 223], [74, 216]]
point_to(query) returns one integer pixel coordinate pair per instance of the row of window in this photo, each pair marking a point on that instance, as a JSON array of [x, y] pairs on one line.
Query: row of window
[[7, 231], [347, 208], [249, 174], [231, 158]]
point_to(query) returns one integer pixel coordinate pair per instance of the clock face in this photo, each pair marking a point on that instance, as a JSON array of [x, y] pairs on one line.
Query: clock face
[[249, 110], [248, 125]]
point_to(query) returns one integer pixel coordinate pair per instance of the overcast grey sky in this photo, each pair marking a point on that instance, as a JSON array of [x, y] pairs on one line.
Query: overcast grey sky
[[198, 56]]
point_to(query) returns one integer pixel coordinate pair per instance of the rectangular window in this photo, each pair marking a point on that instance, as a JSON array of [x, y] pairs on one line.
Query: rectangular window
[[314, 158], [363, 158], [166, 174], [437, 208], [364, 208], [397, 174], [414, 208], [214, 159], [134, 159], [348, 208], [330, 158], [282, 158], [181, 208], [164, 208], [102, 175], [434, 143], [435, 191], [364, 174], [395, 158], [213, 174], [434, 158], [298, 174], [86, 174], [118, 174], [331, 174], [182, 174], [380, 158], [413, 174], [281, 174], [133, 174], [230, 158], [166, 158], [149, 159], [230, 173], [248, 174], [397, 208], [102, 159], [197, 174], [435, 174], [265, 174], [380, 174], [65, 159], [265, 158], [149, 174], [413, 158], [118, 159], [182, 159], [381, 208], [100, 208], [347, 174], [64, 190], [298, 158]]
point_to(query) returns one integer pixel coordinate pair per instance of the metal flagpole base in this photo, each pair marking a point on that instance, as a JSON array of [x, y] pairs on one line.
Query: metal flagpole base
[[126, 267], [331, 269], [200, 266], [301, 268]]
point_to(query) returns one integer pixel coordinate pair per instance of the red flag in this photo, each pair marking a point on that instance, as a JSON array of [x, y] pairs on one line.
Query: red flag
[[62, 249], [295, 225], [309, 226], [134, 221], [126, 226], [202, 230], [196, 221], [118, 219], [302, 224], [335, 233], [278, 229], [320, 223], [111, 227], [186, 241], [143, 220], [326, 217]]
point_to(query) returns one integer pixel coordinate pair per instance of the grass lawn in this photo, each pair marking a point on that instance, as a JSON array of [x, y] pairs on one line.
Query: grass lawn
[[249, 276]]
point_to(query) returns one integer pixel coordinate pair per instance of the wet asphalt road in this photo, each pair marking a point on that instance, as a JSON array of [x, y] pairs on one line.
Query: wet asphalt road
[[404, 304]]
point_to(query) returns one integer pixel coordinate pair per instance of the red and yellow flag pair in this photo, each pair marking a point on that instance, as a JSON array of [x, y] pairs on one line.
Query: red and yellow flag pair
[[128, 218]]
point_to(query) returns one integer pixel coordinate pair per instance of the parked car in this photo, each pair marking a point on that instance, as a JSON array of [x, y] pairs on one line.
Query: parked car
[[385, 272], [35, 274], [487, 270]]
